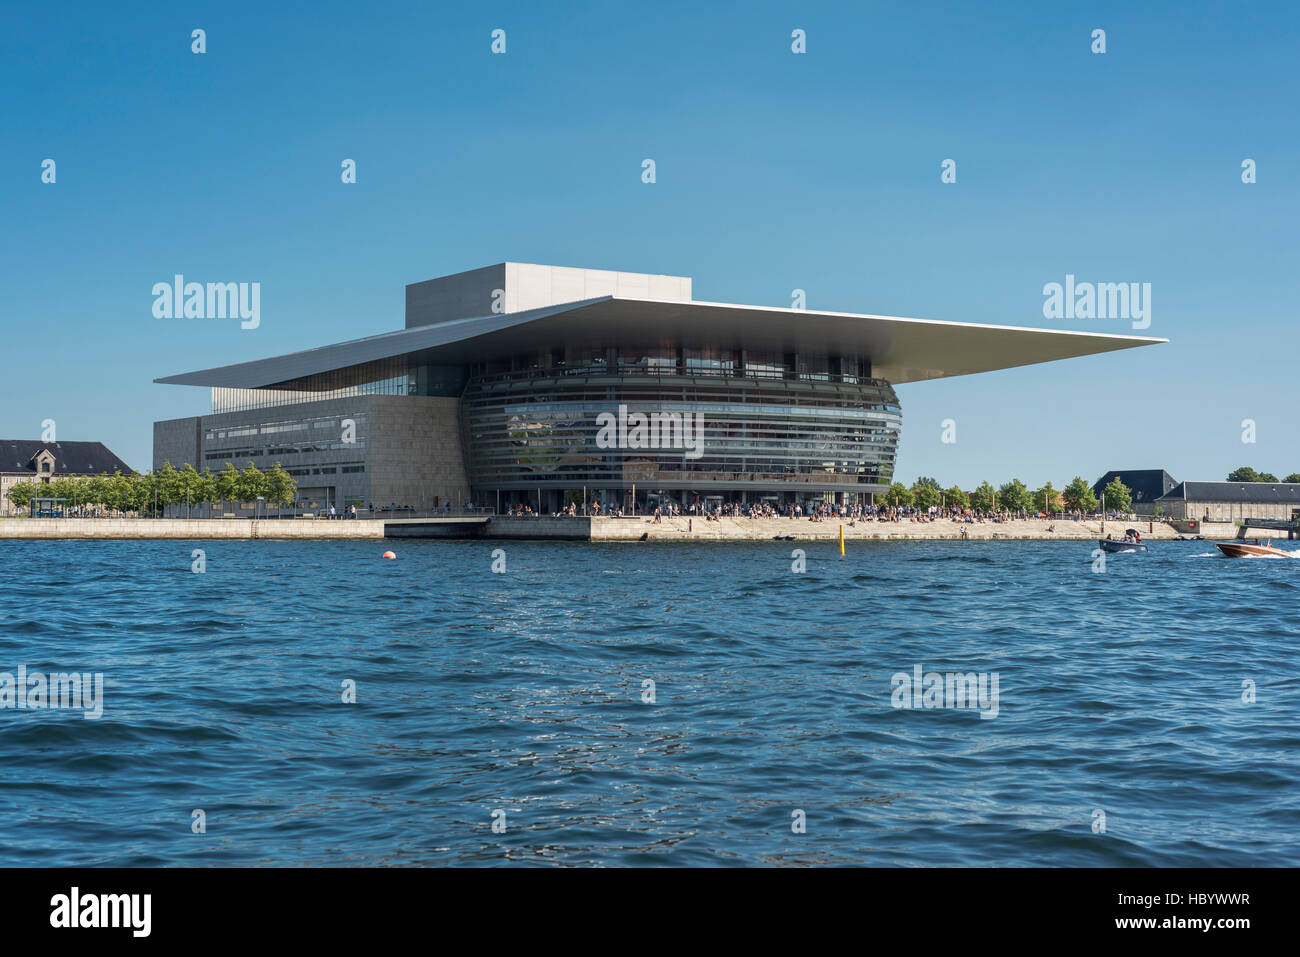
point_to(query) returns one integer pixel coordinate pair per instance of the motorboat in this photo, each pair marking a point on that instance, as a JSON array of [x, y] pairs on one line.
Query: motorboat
[[1131, 542], [1252, 549]]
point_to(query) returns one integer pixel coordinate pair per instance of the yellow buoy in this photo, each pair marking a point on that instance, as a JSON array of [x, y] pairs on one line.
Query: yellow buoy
[[841, 539]]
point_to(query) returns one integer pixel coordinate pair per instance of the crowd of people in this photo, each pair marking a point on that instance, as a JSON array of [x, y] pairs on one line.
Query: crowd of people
[[572, 510], [852, 514], [820, 512]]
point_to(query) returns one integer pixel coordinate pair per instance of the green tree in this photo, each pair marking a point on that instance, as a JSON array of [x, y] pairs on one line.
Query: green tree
[[926, 492], [252, 484], [1248, 475], [1117, 495], [983, 497], [188, 482], [956, 498], [1293, 477], [167, 483], [228, 484], [94, 489], [898, 495], [60, 488], [1079, 495], [205, 489], [144, 493], [1015, 495], [20, 495], [119, 492], [1048, 498], [281, 489]]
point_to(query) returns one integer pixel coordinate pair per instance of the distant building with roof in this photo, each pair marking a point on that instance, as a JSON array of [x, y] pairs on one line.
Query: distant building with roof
[[1147, 485], [1231, 501], [27, 461]]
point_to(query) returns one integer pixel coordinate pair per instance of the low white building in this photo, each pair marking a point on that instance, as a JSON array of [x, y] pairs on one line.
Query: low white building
[[1231, 501]]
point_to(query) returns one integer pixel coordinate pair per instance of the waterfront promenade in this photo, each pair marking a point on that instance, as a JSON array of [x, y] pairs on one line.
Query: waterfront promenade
[[185, 528], [640, 528], [670, 529]]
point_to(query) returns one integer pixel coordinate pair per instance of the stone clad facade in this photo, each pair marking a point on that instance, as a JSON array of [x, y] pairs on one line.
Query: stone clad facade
[[362, 450]]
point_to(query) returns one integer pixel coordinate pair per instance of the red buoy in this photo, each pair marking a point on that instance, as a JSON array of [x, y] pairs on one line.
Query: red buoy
[[390, 554]]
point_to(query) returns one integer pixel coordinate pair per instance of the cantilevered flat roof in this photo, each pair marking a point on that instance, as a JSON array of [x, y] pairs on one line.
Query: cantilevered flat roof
[[901, 350]]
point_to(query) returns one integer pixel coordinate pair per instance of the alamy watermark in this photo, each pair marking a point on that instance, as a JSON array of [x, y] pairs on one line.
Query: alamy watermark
[[36, 691], [1102, 300], [75, 909], [923, 690], [179, 299], [657, 430]]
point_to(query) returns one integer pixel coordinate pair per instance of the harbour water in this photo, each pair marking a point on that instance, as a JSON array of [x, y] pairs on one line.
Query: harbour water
[[1147, 715]]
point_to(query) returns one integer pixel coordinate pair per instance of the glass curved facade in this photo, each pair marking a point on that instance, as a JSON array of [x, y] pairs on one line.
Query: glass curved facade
[[714, 431]]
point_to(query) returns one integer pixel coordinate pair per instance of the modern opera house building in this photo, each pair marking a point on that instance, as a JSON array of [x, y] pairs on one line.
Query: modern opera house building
[[502, 387]]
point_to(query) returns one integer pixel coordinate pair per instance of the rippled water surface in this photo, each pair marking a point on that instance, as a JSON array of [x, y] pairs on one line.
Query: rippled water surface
[[522, 692]]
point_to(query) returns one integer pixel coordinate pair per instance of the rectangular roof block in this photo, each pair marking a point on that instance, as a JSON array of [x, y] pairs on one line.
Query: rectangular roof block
[[519, 287]]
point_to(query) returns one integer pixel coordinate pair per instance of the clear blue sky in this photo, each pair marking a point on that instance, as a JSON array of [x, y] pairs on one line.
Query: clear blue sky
[[776, 171]]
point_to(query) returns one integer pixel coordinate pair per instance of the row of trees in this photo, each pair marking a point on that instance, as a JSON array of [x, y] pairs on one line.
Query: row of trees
[[1013, 496], [153, 491], [1248, 474]]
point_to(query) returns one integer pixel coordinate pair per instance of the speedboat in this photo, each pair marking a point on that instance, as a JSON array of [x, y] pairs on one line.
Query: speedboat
[[1251, 549], [1129, 543], [1119, 545]]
